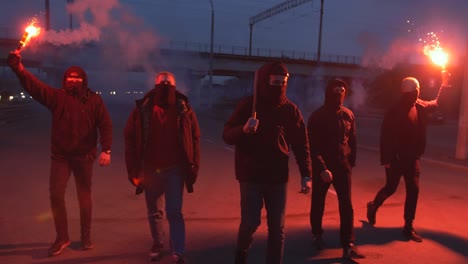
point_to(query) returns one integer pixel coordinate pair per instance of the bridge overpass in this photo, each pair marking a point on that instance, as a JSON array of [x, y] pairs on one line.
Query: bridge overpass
[[194, 57], [190, 63]]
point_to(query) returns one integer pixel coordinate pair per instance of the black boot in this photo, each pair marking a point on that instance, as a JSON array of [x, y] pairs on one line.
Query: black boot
[[241, 257], [410, 234], [371, 213], [350, 251]]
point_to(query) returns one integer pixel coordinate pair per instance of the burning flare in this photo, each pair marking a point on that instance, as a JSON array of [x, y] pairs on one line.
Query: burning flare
[[437, 55], [434, 50], [32, 30]]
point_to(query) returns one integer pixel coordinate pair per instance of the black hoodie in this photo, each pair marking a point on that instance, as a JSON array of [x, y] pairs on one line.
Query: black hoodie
[[332, 133], [263, 157]]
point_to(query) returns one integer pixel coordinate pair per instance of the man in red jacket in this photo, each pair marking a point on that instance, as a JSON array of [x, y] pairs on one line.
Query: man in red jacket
[[79, 117], [162, 152]]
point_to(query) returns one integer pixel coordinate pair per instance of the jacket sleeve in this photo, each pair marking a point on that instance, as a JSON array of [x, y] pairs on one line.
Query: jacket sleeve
[[353, 143], [314, 138], [131, 155], [195, 140], [233, 133], [40, 91], [300, 145], [104, 124], [387, 145]]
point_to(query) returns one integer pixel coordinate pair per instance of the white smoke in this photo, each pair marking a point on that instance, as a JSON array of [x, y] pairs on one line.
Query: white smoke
[[84, 34]]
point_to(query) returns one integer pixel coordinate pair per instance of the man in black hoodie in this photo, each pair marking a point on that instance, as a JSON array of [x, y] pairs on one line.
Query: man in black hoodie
[[262, 136], [78, 117], [332, 137], [402, 143]]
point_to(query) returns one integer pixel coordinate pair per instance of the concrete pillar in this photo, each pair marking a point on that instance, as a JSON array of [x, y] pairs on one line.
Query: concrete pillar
[[462, 143]]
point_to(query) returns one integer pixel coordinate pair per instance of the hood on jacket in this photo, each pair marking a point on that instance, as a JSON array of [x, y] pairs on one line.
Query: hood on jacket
[[335, 93], [181, 100], [165, 87], [75, 81], [273, 93]]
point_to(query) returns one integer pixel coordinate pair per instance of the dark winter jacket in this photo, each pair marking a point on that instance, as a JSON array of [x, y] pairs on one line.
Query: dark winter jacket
[[263, 157], [136, 133], [76, 119], [332, 137], [402, 138]]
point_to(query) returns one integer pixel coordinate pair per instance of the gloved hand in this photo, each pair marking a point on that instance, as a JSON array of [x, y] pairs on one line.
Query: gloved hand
[[14, 61], [104, 159], [136, 177], [192, 174], [250, 126], [446, 78], [327, 176], [306, 185]]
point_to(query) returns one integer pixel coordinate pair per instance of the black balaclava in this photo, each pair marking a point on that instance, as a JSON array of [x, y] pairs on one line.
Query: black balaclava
[[334, 97], [274, 95], [165, 90], [76, 89], [409, 92]]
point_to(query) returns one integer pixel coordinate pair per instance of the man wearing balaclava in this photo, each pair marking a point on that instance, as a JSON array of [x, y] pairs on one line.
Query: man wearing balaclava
[[263, 128], [332, 138], [79, 119], [162, 153], [402, 143]]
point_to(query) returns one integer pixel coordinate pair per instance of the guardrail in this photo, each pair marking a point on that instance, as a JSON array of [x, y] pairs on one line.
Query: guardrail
[[6, 33], [261, 52], [15, 112]]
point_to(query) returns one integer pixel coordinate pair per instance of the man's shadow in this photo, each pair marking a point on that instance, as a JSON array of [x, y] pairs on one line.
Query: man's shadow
[[301, 243]]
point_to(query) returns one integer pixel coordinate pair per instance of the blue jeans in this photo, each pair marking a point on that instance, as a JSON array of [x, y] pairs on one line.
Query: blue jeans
[[253, 195], [166, 189]]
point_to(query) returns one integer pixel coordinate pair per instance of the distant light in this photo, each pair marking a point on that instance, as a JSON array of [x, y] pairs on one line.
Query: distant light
[[11, 97], [23, 96], [21, 93]]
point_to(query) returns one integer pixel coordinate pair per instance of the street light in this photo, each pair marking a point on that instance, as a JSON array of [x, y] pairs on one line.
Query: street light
[[71, 17], [211, 53]]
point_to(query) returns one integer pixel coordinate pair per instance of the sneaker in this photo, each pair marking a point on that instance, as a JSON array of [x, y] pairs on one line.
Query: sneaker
[[86, 244], [155, 252], [371, 212], [410, 234], [318, 242], [57, 247], [178, 258], [351, 252]]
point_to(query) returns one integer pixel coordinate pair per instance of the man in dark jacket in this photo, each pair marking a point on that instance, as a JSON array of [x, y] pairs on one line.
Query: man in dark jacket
[[402, 142], [78, 117], [162, 151], [332, 137], [262, 142]]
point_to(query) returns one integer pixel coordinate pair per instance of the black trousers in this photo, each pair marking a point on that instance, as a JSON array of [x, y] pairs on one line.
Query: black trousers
[[60, 172], [342, 184], [410, 171]]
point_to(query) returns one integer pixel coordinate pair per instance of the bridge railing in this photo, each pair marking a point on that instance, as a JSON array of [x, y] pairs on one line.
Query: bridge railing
[[261, 52]]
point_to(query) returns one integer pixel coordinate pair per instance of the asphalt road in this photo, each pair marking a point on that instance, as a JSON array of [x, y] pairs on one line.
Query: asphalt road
[[121, 232]]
